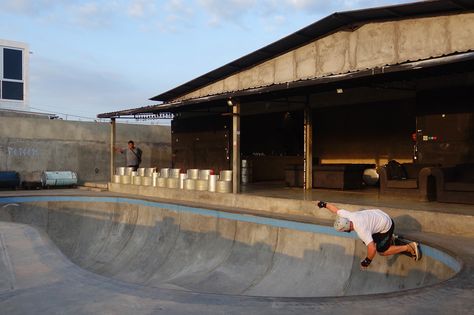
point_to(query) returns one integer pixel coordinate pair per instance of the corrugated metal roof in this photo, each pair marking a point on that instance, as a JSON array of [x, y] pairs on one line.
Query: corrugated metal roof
[[331, 23], [458, 58]]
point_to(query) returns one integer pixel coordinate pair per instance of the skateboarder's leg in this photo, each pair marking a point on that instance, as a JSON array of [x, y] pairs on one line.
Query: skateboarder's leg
[[396, 249], [411, 248]]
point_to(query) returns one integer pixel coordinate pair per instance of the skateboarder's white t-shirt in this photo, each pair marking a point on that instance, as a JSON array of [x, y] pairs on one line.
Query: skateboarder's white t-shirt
[[367, 222]]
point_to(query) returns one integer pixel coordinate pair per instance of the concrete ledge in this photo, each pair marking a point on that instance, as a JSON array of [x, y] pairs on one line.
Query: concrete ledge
[[407, 220]]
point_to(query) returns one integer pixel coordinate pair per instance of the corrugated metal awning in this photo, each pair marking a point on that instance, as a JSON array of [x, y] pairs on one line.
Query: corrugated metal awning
[[295, 85]]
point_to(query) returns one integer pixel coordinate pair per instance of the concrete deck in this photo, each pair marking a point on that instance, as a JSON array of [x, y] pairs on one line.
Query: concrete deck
[[45, 281]]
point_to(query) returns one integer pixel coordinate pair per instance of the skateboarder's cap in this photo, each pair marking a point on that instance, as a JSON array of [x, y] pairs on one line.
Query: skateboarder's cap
[[342, 224]]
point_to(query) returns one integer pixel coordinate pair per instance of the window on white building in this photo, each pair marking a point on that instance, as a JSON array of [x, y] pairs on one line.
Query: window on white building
[[11, 74]]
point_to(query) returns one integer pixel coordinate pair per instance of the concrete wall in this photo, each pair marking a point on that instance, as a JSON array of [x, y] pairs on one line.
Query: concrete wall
[[369, 46], [34, 144], [418, 220]]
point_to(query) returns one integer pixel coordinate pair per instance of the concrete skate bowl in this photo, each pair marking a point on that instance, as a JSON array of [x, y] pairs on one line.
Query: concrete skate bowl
[[187, 248]]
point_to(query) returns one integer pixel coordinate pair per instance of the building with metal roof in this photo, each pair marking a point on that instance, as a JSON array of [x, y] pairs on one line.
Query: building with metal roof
[[358, 87]]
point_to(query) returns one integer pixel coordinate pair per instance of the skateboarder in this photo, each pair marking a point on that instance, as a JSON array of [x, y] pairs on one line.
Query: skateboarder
[[375, 228]]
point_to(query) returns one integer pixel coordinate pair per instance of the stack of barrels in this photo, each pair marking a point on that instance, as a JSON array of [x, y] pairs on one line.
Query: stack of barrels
[[193, 179]]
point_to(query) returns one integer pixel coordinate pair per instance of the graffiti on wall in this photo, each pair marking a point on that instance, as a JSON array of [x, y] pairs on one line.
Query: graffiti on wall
[[22, 152]]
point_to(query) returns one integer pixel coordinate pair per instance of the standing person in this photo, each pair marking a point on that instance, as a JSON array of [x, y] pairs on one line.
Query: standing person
[[375, 228], [133, 155]]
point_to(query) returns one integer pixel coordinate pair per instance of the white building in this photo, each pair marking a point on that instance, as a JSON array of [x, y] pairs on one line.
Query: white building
[[14, 75]]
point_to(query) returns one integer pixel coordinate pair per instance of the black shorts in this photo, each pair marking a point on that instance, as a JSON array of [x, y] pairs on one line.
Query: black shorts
[[383, 240]]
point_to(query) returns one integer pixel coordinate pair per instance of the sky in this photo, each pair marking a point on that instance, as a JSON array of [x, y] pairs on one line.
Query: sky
[[90, 56]]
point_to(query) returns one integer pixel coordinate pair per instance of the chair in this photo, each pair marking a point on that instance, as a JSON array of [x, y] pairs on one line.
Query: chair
[[417, 182], [455, 183]]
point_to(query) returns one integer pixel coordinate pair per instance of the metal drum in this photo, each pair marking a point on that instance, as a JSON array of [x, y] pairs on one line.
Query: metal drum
[[11, 179], [182, 177], [212, 182], [226, 175], [204, 174], [193, 173], [165, 172], [128, 171], [133, 173], [190, 184], [224, 186], [117, 178], [172, 182], [147, 181], [161, 182], [154, 179], [202, 184], [141, 171], [174, 172], [120, 171], [125, 179], [58, 178], [137, 180], [149, 171], [246, 172]]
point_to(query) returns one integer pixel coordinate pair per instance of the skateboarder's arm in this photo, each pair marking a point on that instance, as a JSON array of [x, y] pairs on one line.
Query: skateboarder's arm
[[330, 207], [371, 250]]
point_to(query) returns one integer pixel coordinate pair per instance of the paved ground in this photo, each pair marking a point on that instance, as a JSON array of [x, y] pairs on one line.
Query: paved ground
[[37, 278]]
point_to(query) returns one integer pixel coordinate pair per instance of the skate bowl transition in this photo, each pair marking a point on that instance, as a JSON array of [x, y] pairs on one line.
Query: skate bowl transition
[[168, 246]]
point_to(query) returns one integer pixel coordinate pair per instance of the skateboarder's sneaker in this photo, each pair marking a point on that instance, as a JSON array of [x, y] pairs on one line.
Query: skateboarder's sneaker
[[414, 250]]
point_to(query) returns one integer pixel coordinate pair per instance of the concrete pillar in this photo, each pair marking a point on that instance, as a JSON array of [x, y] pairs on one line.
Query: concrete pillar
[[112, 149], [236, 148], [308, 148]]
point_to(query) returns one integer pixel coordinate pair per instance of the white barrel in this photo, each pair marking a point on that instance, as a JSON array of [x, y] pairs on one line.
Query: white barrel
[[174, 172], [154, 179], [226, 175], [141, 171], [137, 180], [202, 184], [165, 172], [172, 182], [204, 174], [134, 173], [190, 184], [161, 182], [212, 182], [193, 173], [224, 186], [149, 171], [182, 177], [147, 181], [125, 179], [128, 171], [120, 171], [117, 178], [58, 178]]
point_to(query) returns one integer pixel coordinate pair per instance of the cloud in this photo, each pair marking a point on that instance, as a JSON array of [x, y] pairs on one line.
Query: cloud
[[29, 7], [227, 11], [141, 8]]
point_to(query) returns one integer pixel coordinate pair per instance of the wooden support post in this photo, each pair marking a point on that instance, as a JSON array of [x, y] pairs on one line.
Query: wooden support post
[[112, 149], [308, 148], [236, 148]]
